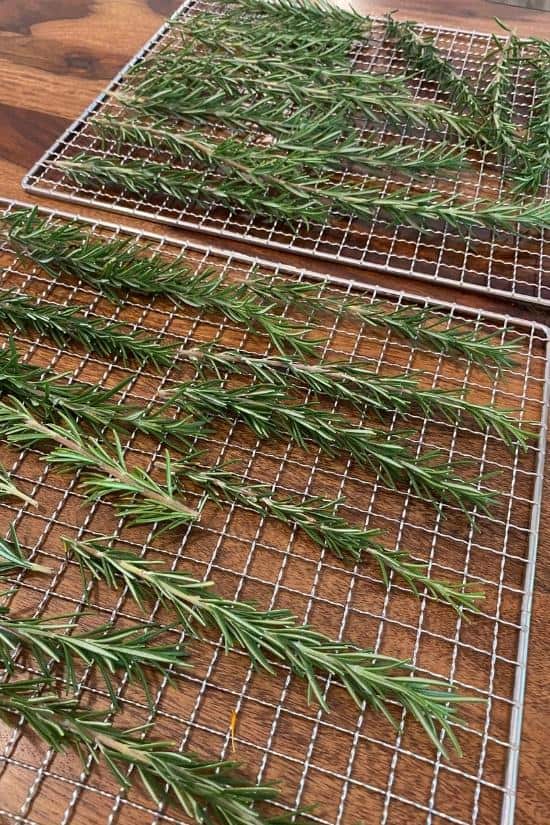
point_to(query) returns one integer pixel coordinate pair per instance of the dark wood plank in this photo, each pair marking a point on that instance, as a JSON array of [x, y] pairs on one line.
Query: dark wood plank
[[55, 55]]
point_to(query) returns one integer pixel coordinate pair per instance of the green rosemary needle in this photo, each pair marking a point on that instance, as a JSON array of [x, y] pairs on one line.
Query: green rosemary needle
[[139, 497], [209, 792], [110, 650], [9, 490], [264, 411], [312, 201], [62, 323], [13, 558], [370, 678]]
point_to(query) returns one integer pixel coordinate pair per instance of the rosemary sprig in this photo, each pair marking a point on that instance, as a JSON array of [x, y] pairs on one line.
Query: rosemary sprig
[[501, 130], [318, 518], [324, 104], [139, 497], [532, 175], [219, 155], [120, 265], [267, 45], [265, 412], [369, 678], [9, 490], [129, 649], [313, 199], [208, 792], [62, 323], [13, 558], [114, 266], [424, 57], [420, 326], [311, 15], [352, 382]]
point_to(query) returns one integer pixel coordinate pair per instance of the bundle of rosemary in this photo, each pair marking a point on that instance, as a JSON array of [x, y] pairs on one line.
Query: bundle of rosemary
[[296, 122]]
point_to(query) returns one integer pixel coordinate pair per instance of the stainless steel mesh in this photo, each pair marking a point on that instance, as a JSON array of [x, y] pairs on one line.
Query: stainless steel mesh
[[350, 763], [510, 265]]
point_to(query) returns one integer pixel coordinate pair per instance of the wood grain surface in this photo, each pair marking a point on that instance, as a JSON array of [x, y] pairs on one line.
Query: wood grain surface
[[56, 55]]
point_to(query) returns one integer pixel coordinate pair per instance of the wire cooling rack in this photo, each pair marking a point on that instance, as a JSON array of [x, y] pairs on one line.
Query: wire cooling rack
[[351, 764], [510, 265]]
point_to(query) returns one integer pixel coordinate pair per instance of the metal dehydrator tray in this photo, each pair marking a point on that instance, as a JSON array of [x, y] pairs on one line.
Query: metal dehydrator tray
[[511, 266], [352, 764]]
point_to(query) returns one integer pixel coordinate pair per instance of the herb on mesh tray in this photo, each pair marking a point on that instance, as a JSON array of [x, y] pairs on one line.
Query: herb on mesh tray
[[313, 198], [13, 558], [139, 498], [62, 323], [424, 57], [421, 326], [532, 174], [323, 105], [320, 521], [352, 382], [502, 131], [207, 791], [430, 475], [370, 678], [53, 639], [119, 265], [220, 155], [312, 15], [316, 516]]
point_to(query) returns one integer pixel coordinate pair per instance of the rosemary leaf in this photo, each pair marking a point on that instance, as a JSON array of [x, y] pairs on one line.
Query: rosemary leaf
[[369, 678], [12, 557], [9, 490]]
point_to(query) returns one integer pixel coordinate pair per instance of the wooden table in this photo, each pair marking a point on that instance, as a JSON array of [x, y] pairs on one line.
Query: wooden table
[[56, 55]]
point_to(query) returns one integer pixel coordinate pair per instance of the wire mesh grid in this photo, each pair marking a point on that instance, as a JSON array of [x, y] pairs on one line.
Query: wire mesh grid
[[353, 765], [511, 265]]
